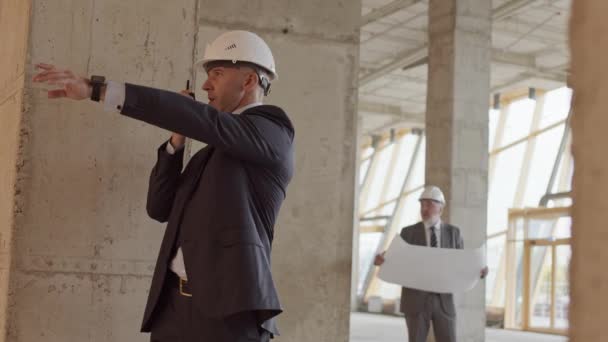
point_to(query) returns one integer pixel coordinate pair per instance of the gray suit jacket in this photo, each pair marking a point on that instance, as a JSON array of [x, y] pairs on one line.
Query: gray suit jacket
[[221, 209], [413, 301]]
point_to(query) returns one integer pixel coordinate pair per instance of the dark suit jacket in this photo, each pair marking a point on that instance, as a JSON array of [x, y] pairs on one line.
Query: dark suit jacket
[[413, 301], [224, 204]]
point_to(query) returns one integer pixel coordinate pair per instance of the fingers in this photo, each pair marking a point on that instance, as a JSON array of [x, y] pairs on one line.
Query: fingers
[[57, 93], [52, 76], [51, 71], [45, 66]]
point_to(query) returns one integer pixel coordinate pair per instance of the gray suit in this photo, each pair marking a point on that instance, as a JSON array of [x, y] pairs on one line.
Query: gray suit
[[421, 307]]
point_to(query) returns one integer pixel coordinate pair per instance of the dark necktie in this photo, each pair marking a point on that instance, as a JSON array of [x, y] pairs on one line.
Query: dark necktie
[[433, 237]]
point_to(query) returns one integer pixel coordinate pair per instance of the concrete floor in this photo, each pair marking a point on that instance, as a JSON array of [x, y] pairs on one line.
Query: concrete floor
[[379, 328]]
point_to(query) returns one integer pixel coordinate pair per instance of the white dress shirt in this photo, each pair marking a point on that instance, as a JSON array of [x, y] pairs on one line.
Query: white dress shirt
[[113, 102], [427, 230]]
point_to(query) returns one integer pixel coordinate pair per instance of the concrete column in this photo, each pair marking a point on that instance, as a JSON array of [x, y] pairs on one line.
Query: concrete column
[[457, 130], [589, 80], [316, 47], [14, 23], [83, 248]]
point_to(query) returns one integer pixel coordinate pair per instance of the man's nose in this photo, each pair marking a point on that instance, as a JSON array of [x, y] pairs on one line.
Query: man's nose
[[206, 85]]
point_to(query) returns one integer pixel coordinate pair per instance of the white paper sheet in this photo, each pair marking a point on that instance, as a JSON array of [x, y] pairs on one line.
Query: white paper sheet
[[440, 270]]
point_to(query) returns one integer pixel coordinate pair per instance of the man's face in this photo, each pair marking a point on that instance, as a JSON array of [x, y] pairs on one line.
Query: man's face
[[430, 210], [225, 87]]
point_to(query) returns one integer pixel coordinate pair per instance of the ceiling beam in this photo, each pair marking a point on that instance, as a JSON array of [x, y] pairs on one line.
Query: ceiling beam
[[399, 117], [509, 8], [383, 109], [397, 124], [412, 57], [528, 62], [513, 58], [404, 59], [386, 10], [526, 76]]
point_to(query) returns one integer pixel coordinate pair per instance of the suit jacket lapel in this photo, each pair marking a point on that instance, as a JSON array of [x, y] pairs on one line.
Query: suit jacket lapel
[[421, 235]]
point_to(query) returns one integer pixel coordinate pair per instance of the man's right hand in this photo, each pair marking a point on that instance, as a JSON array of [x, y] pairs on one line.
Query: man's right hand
[[379, 260], [178, 140]]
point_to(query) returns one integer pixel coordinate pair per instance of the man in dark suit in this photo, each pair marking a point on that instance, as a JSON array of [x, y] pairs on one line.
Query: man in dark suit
[[422, 307], [212, 280]]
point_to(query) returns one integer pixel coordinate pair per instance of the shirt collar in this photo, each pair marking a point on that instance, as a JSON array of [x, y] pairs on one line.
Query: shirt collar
[[436, 225], [244, 108]]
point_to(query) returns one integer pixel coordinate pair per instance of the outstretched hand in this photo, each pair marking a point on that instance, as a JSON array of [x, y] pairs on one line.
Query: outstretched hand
[[69, 85]]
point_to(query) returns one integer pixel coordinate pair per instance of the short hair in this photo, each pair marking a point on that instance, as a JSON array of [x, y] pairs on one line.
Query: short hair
[[262, 73]]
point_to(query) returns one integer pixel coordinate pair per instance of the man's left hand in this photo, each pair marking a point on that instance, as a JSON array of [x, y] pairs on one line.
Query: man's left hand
[[484, 272]]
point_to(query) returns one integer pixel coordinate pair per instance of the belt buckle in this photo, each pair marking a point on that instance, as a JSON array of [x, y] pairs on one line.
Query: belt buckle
[[181, 288]]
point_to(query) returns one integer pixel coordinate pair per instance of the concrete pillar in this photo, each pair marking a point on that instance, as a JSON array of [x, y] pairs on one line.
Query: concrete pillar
[[316, 47], [14, 23], [589, 80], [84, 249], [457, 130]]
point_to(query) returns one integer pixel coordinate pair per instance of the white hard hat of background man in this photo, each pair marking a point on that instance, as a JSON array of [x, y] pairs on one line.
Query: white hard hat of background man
[[433, 193], [242, 47]]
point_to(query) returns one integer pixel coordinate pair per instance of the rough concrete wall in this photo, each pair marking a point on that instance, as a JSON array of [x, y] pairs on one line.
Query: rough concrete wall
[[14, 23], [588, 279], [316, 47], [457, 131], [85, 249]]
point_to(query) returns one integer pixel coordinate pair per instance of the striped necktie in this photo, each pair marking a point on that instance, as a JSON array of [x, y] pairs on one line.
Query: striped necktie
[[433, 237]]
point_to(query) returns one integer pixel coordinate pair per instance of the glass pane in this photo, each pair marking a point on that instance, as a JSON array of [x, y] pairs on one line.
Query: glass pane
[[494, 116], [417, 179], [363, 168], [404, 159], [563, 228], [367, 152], [368, 244], [556, 107], [386, 210], [520, 229], [562, 286], [376, 184], [541, 228], [519, 283], [540, 287], [541, 165], [519, 120], [495, 253], [503, 186], [410, 213], [563, 181]]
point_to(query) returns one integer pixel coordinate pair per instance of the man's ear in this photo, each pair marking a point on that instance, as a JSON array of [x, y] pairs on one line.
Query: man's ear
[[251, 81]]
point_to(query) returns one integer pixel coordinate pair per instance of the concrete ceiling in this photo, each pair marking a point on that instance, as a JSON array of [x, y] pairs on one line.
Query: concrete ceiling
[[529, 40]]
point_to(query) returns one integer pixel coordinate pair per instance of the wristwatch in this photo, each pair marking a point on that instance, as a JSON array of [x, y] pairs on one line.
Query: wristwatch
[[97, 82]]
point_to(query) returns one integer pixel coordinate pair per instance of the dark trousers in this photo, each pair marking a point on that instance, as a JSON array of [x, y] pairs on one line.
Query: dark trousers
[[177, 320], [444, 325]]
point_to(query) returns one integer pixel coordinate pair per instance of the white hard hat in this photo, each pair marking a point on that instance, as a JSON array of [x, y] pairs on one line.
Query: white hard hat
[[240, 46], [432, 193]]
